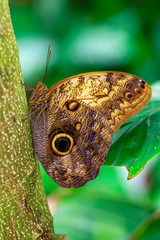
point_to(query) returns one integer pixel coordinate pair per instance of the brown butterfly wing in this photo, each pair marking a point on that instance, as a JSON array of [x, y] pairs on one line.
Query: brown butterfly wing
[[91, 138], [72, 128]]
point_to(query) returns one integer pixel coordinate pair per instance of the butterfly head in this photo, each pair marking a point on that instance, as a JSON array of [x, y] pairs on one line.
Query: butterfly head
[[38, 97]]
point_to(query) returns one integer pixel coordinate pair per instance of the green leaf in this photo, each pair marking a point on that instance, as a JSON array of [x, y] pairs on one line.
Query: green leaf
[[96, 216], [149, 229], [154, 182], [48, 183], [137, 141]]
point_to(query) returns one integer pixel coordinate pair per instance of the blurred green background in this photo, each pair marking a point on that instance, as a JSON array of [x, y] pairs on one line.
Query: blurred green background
[[93, 35]]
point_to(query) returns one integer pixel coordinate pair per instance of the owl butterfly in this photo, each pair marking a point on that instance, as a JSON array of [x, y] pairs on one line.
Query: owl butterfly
[[73, 121]]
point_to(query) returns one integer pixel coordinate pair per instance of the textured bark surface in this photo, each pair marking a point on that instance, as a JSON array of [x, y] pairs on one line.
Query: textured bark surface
[[24, 212]]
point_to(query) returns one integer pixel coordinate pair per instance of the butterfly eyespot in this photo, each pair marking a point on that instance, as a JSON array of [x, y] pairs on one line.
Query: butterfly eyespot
[[137, 91], [72, 105], [142, 85], [78, 126], [142, 81], [129, 95], [62, 144]]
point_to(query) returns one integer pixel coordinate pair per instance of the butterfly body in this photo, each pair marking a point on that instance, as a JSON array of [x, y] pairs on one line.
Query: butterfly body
[[73, 121]]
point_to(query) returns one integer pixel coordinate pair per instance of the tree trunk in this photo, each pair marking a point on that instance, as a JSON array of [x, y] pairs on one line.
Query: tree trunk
[[24, 212]]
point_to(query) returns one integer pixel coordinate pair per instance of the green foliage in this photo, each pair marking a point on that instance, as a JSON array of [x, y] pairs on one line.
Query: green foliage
[[90, 36], [99, 217], [137, 141]]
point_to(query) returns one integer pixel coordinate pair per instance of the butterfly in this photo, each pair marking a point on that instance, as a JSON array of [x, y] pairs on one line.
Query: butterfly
[[73, 121]]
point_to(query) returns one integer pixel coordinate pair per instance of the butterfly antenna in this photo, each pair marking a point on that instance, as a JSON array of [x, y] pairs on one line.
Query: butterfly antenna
[[47, 62], [27, 87]]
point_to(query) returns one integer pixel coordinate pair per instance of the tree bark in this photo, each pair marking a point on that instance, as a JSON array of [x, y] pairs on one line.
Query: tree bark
[[24, 212]]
